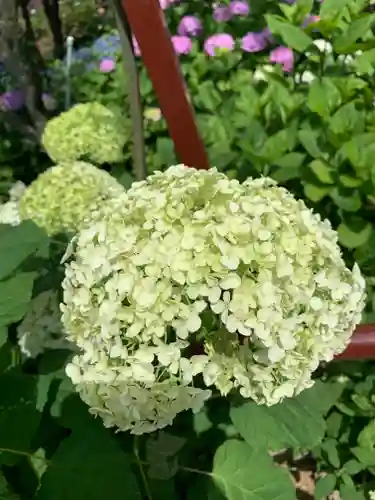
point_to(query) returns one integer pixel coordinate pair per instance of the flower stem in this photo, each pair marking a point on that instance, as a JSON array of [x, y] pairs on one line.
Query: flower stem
[[140, 466]]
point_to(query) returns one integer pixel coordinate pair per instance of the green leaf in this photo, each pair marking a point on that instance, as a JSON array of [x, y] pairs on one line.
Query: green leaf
[[297, 422], [350, 182], [165, 153], [3, 335], [329, 446], [323, 97], [15, 296], [356, 30], [309, 140], [365, 455], [345, 119], [331, 9], [242, 473], [352, 467], [323, 172], [354, 239], [89, 464], [324, 486], [19, 418], [315, 193], [365, 63], [19, 242], [350, 493], [289, 167], [293, 37], [350, 203], [161, 454]]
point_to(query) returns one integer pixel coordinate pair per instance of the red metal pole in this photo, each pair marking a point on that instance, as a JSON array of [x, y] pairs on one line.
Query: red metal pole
[[148, 25], [362, 345]]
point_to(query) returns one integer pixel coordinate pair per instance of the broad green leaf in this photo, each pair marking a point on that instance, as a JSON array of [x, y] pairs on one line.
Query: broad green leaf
[[19, 242], [324, 487], [288, 167], [15, 296], [3, 335], [353, 239], [365, 63], [352, 467], [242, 473], [161, 454], [331, 9], [323, 97], [350, 493], [350, 203], [323, 172], [309, 140], [346, 119], [165, 153], [356, 30], [365, 455], [19, 418], [90, 465], [329, 447], [296, 422], [350, 182], [292, 36], [315, 193]]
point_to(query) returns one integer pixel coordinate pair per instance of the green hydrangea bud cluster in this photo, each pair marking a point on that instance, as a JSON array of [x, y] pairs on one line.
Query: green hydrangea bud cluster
[[189, 257], [61, 199], [87, 131]]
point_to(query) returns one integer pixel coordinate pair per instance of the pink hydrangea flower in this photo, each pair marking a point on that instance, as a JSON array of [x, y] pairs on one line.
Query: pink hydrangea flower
[[107, 65], [219, 42], [284, 56], [221, 13], [137, 50], [189, 26], [310, 20], [253, 42], [12, 101], [239, 8], [181, 44]]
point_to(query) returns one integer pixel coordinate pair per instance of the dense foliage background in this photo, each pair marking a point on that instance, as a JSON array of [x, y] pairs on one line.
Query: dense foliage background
[[305, 118]]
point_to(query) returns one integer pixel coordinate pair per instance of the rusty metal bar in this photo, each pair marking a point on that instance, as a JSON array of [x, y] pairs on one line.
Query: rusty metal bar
[[362, 345]]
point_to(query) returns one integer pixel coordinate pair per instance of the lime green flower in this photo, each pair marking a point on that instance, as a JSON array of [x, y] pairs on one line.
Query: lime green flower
[[62, 198], [87, 131], [264, 272]]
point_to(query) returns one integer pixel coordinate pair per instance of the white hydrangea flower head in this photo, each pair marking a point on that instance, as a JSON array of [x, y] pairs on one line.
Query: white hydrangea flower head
[[61, 198], [87, 131], [190, 257], [9, 211], [41, 328]]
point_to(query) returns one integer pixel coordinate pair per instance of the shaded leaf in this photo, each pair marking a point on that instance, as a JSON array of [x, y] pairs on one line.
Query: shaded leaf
[[242, 473]]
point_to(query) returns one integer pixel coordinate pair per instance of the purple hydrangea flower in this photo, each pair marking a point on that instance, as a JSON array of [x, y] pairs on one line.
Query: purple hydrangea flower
[[107, 65], [221, 13], [239, 8], [284, 56], [189, 26], [181, 44], [253, 42], [221, 41], [12, 101]]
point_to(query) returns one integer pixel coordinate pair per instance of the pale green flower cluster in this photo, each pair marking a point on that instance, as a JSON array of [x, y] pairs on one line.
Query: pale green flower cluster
[[41, 328], [187, 258], [61, 198], [9, 212], [87, 131]]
